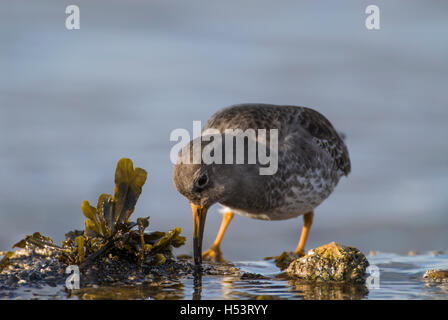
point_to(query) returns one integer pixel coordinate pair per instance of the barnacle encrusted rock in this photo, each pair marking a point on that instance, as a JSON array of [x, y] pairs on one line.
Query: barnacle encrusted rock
[[331, 262], [436, 275]]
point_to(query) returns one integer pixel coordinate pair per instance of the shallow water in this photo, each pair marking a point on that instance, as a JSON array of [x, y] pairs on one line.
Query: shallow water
[[74, 102], [400, 277]]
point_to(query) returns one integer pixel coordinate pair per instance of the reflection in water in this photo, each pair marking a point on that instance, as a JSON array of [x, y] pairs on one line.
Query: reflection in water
[[328, 291], [436, 290], [400, 278], [265, 288], [172, 290], [197, 284]]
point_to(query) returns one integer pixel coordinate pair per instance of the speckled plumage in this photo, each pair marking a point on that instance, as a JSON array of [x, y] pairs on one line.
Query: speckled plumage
[[312, 157]]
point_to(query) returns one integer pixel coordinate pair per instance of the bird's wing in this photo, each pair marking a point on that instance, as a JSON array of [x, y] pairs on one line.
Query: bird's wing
[[292, 121], [326, 137]]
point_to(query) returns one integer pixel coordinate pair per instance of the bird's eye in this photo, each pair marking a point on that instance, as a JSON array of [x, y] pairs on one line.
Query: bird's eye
[[202, 181]]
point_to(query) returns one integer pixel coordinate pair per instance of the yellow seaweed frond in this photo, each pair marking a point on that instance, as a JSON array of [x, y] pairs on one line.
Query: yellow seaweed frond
[[128, 187], [88, 210], [80, 246], [91, 230], [113, 210]]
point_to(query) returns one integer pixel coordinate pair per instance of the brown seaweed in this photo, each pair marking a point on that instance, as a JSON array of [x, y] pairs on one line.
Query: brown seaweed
[[109, 231], [5, 260]]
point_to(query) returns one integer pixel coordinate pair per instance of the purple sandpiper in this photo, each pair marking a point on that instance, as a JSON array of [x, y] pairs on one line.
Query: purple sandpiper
[[312, 157]]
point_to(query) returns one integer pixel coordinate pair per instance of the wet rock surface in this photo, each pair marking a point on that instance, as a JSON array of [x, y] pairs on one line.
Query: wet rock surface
[[33, 276], [33, 269], [30, 270], [331, 262]]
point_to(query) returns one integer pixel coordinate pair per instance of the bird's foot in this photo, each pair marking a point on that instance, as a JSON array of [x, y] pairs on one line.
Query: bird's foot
[[299, 253], [213, 254], [282, 261]]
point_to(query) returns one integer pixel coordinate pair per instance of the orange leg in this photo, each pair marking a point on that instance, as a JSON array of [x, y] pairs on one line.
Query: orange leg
[[307, 222], [214, 253]]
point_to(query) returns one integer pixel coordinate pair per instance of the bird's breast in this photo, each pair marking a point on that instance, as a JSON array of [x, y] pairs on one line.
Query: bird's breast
[[288, 198]]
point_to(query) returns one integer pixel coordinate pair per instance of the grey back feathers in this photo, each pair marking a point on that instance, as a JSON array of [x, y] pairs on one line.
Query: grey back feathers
[[312, 157], [291, 121]]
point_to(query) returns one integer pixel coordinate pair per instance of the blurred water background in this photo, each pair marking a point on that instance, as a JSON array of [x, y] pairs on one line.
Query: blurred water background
[[74, 102]]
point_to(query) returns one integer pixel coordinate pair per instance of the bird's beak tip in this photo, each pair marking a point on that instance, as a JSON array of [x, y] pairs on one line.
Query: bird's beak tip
[[199, 215]]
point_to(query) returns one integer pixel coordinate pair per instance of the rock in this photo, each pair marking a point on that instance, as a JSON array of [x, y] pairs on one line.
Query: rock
[[34, 275], [51, 281], [436, 275], [252, 276], [331, 262], [12, 280]]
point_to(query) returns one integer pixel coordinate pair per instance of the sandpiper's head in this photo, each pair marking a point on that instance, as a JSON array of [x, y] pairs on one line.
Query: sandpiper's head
[[203, 185]]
